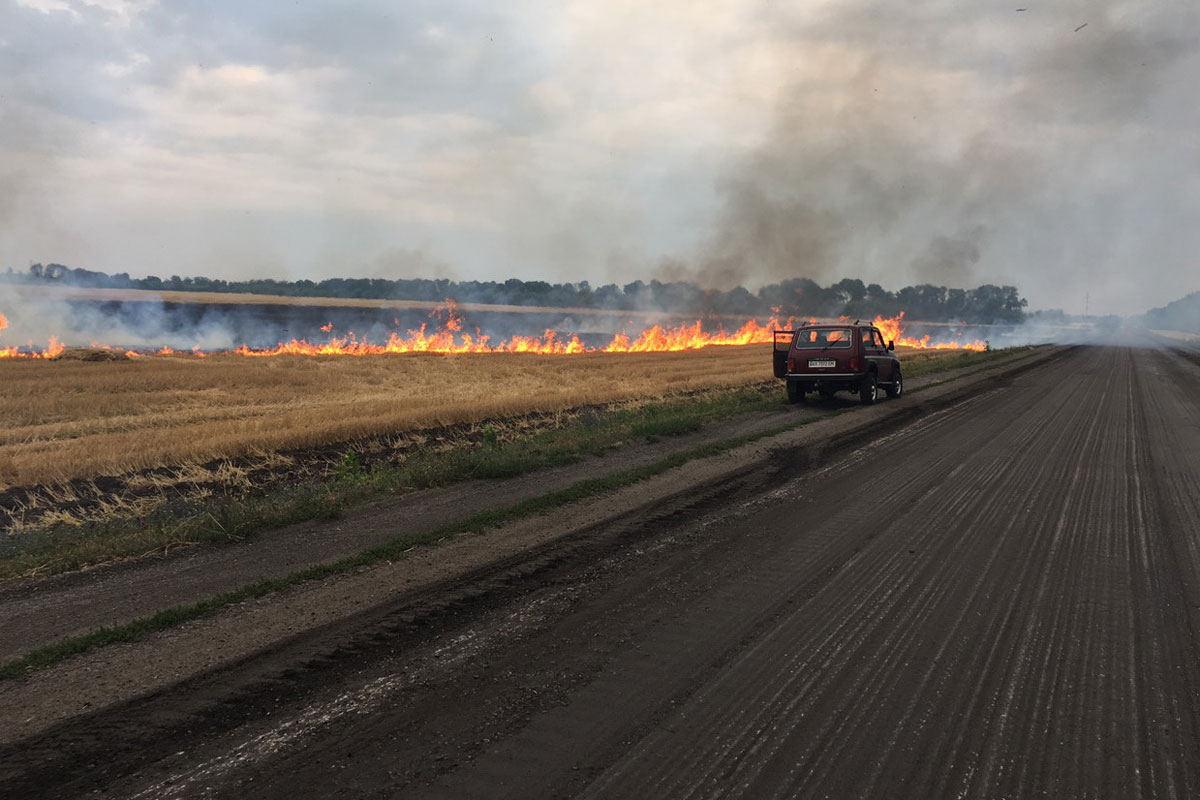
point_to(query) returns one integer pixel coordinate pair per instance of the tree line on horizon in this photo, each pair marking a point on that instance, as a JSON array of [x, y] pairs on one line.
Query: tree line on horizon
[[795, 297], [1180, 315]]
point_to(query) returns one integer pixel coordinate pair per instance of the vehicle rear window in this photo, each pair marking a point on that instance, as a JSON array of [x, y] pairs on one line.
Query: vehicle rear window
[[821, 338]]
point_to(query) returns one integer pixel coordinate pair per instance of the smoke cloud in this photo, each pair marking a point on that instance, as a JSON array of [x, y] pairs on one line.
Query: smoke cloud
[[946, 145], [898, 143]]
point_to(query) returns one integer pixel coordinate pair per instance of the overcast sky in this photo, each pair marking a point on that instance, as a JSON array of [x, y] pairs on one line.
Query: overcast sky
[[1055, 147]]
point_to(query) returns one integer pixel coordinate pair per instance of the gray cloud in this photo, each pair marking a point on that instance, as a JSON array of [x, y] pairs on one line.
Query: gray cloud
[[908, 124], [895, 142], [948, 260], [1109, 72]]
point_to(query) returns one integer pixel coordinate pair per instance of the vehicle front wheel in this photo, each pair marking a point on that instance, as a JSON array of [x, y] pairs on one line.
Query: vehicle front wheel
[[795, 392], [869, 390], [897, 386]]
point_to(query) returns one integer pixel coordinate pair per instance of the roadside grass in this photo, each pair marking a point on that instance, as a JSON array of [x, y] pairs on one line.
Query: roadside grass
[[63, 547], [930, 362], [170, 617], [354, 482], [67, 545]]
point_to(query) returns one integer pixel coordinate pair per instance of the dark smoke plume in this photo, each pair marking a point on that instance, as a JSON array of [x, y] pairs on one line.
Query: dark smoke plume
[[900, 155]]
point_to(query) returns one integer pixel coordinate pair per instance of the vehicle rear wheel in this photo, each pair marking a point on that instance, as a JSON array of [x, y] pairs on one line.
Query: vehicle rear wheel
[[897, 386], [795, 392], [869, 390]]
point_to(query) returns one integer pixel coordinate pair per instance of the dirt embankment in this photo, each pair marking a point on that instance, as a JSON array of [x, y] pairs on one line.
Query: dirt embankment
[[49, 610]]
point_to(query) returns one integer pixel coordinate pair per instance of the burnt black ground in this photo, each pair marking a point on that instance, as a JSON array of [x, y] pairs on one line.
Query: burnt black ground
[[1000, 600]]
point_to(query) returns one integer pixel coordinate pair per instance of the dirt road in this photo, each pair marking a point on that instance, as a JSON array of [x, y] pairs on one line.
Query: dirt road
[[1000, 600]]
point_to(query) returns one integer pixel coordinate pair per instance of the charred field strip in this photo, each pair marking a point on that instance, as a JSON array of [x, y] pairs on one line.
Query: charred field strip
[[1021, 624], [130, 600], [232, 500], [23, 507], [63, 525], [400, 627]]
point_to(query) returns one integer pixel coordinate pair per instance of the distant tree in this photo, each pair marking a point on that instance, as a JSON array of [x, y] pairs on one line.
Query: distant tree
[[852, 289], [1180, 315], [796, 297]]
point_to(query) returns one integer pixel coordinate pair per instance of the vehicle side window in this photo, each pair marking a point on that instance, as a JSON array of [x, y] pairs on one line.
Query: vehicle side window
[[866, 337], [879, 339]]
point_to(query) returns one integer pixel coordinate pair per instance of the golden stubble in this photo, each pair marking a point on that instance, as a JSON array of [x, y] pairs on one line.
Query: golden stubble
[[70, 419]]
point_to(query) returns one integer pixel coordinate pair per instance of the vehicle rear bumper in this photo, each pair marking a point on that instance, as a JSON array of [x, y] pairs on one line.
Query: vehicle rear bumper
[[834, 381], [818, 377]]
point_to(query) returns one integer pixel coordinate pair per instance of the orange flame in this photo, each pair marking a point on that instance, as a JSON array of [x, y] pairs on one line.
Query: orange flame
[[691, 337], [893, 330], [53, 348], [6, 352], [450, 337]]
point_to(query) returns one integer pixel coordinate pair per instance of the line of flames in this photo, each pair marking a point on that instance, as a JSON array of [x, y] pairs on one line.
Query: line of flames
[[892, 329], [450, 338]]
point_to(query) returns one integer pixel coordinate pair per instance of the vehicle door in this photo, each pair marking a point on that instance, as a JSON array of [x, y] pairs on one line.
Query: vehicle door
[[887, 361], [875, 353], [893, 363]]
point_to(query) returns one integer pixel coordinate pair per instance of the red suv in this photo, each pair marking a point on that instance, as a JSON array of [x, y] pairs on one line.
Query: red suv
[[839, 357]]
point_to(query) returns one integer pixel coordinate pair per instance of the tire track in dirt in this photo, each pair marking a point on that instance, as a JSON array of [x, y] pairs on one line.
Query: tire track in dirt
[[1018, 642], [874, 592], [1015, 613], [1032, 636], [45, 611]]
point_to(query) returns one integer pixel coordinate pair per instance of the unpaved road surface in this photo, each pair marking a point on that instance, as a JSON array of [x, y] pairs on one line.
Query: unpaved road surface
[[999, 600], [42, 612]]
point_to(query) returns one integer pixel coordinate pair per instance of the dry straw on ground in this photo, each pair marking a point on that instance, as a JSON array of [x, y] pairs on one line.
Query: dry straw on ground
[[66, 419], [77, 419]]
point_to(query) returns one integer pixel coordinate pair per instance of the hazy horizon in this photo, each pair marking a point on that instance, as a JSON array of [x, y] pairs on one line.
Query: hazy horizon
[[1054, 149]]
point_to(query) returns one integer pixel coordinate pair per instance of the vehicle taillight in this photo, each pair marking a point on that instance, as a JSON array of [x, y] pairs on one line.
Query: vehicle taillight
[[791, 365], [854, 363]]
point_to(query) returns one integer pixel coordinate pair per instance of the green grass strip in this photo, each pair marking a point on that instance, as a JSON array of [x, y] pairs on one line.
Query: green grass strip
[[981, 364], [167, 618], [393, 550], [65, 547]]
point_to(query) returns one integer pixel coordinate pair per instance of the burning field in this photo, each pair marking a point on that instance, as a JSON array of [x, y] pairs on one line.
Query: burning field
[[147, 419], [67, 417], [448, 333], [109, 452], [96, 442]]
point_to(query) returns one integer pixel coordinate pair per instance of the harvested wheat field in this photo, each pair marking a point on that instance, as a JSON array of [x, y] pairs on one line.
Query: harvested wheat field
[[78, 418]]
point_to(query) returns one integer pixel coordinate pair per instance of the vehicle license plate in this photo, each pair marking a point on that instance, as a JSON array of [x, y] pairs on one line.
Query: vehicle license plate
[[822, 363]]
